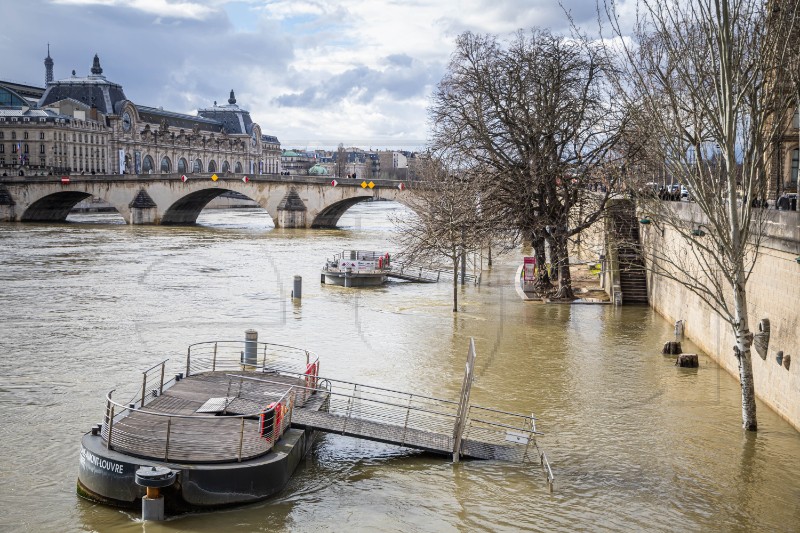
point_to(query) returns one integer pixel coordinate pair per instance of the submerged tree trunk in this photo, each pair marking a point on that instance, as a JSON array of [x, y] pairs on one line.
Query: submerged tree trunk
[[743, 353], [564, 277], [455, 281], [542, 277]]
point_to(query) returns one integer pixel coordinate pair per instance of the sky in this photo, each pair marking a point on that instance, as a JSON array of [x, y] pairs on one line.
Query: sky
[[314, 73]]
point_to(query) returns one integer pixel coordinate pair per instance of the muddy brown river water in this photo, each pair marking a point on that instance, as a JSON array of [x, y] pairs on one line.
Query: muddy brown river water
[[635, 443]]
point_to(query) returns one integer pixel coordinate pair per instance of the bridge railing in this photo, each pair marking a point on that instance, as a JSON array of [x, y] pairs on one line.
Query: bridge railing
[[205, 176]]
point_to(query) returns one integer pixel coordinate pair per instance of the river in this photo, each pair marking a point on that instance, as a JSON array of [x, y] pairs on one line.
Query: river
[[635, 443]]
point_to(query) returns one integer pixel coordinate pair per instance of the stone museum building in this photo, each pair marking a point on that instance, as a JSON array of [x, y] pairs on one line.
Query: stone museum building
[[88, 125]]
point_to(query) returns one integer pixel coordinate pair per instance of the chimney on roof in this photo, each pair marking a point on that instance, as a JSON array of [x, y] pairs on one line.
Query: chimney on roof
[[232, 99], [96, 70], [48, 67]]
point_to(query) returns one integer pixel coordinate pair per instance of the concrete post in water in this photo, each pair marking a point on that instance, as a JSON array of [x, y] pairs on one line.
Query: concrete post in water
[[297, 291], [154, 478], [250, 348], [671, 348], [687, 360], [679, 330]]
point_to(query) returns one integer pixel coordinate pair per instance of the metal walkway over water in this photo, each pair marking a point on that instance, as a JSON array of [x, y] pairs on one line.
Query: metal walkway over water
[[235, 400], [427, 274]]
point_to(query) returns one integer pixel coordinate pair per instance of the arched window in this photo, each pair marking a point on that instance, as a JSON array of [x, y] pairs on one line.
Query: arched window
[[147, 165], [212, 166], [181, 166], [795, 165], [198, 166], [166, 165], [238, 168], [225, 166]]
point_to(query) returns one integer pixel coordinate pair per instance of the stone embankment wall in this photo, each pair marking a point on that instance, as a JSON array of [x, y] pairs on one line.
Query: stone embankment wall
[[773, 292]]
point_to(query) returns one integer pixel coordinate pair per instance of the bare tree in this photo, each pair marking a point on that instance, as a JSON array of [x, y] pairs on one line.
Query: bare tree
[[701, 73], [341, 161], [534, 116], [446, 221]]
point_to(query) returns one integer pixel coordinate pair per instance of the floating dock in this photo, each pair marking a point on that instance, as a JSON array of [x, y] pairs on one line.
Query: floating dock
[[356, 268], [232, 426], [359, 268]]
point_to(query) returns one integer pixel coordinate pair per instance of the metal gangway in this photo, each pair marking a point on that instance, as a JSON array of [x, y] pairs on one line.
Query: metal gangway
[[410, 271], [445, 427]]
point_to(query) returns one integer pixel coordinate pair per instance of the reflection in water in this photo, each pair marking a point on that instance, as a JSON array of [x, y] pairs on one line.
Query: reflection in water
[[635, 442]]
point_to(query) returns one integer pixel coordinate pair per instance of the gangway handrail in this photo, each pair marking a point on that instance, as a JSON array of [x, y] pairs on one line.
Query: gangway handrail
[[409, 407], [334, 380], [473, 406], [491, 423]]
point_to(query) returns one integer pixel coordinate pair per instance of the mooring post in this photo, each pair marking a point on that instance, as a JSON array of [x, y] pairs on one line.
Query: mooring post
[[250, 357], [297, 292], [153, 479], [463, 403]]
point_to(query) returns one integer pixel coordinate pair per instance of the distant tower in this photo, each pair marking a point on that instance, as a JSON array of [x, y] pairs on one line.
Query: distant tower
[[48, 67], [232, 99], [96, 70]]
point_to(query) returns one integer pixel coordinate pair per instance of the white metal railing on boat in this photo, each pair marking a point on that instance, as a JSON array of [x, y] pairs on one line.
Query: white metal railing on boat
[[194, 438], [230, 355]]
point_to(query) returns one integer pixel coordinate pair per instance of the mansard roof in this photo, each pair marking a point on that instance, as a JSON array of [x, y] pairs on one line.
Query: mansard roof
[[233, 118], [93, 90], [178, 120]]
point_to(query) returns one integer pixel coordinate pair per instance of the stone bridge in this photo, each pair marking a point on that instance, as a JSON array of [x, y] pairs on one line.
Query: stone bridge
[[291, 201]]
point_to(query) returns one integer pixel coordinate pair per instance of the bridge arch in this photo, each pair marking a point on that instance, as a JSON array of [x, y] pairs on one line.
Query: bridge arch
[[187, 208], [55, 207], [329, 216]]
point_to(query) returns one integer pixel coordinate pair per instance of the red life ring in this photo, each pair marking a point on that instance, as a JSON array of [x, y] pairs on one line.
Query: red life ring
[[311, 376], [278, 419]]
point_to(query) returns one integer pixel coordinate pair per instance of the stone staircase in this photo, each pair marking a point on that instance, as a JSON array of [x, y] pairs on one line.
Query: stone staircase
[[624, 230]]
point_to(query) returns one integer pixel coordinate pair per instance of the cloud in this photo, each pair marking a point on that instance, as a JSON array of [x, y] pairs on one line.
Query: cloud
[[402, 79], [305, 69], [163, 8]]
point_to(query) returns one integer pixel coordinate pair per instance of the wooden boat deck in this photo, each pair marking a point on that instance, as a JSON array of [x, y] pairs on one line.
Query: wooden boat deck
[[141, 433]]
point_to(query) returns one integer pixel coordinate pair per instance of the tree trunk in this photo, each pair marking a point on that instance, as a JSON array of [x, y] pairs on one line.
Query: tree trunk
[[743, 352], [542, 278], [564, 277], [455, 282]]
